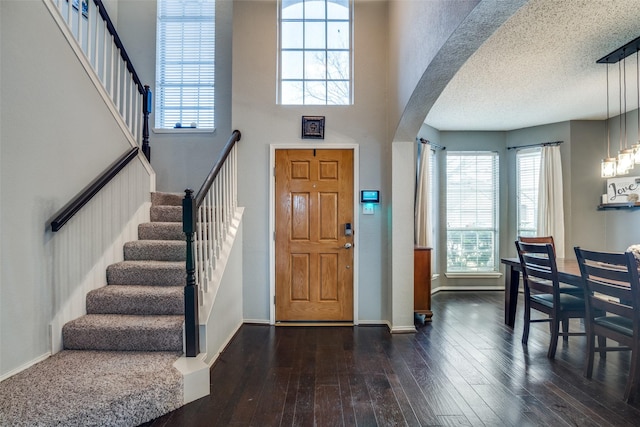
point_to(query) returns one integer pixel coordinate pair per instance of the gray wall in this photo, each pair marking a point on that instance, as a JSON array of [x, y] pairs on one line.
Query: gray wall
[[263, 122], [613, 230], [57, 135], [181, 159], [584, 145], [418, 30], [527, 136]]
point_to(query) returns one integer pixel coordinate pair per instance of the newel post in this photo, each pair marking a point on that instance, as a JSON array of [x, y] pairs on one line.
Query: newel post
[[146, 110], [191, 326]]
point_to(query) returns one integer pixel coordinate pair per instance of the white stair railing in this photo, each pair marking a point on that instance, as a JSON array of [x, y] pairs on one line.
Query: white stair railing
[[88, 23], [207, 218]]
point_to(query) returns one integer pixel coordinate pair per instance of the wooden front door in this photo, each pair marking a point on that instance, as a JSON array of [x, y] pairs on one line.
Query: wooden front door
[[314, 254]]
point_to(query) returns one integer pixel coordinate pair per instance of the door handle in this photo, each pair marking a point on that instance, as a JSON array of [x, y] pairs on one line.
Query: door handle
[[348, 245]]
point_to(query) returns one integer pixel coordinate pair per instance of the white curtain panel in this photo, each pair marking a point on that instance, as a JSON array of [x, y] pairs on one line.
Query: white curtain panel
[[422, 209], [550, 206]]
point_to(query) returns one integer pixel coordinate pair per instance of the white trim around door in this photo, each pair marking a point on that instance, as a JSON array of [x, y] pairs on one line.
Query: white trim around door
[[272, 225]]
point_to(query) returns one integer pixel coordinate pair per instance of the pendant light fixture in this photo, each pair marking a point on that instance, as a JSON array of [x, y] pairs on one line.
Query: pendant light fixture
[[625, 156], [608, 164], [636, 147]]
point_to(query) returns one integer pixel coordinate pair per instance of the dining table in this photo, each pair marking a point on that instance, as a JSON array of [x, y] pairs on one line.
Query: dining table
[[568, 272]]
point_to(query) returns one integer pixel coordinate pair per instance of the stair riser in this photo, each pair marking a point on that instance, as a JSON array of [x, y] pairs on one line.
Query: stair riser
[[160, 231], [166, 214], [166, 199], [122, 340], [155, 251], [142, 305], [143, 276]]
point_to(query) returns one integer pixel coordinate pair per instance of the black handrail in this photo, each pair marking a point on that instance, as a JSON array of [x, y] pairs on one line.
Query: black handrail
[[116, 39], [69, 210], [235, 137], [190, 206], [143, 89]]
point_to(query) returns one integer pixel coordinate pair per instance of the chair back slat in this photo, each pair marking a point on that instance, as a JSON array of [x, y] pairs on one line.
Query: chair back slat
[[611, 283], [538, 239], [613, 273], [611, 306], [622, 292]]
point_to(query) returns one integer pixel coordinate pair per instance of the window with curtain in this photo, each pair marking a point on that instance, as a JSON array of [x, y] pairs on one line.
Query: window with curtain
[[472, 212], [425, 201], [185, 64], [433, 173], [315, 52], [527, 176]]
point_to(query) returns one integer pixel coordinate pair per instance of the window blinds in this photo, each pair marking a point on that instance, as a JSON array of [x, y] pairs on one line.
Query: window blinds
[[527, 175], [472, 211], [185, 68]]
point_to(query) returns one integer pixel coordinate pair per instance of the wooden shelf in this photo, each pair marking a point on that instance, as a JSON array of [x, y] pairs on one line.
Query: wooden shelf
[[608, 206]]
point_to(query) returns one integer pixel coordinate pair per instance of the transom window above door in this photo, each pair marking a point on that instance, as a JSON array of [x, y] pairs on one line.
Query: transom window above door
[[315, 64]]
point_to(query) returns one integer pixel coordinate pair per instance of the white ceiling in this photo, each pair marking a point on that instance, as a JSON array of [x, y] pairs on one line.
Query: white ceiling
[[540, 67]]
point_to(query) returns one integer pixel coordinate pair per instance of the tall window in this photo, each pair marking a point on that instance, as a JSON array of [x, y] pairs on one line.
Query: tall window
[[472, 212], [185, 62], [315, 52], [527, 175]]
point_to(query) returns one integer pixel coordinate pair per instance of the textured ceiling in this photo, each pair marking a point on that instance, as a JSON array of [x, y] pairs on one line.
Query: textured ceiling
[[540, 67]]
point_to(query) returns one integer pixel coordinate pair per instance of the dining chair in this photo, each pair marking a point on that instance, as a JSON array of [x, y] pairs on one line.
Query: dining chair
[[542, 293], [612, 291], [565, 288]]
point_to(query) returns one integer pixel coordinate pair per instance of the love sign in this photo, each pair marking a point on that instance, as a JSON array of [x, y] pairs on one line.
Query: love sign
[[623, 190]]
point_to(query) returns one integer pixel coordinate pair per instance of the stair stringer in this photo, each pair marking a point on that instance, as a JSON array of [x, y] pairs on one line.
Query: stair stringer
[[220, 314]]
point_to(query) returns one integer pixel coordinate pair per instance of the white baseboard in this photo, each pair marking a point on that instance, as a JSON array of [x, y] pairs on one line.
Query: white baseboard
[[467, 288], [403, 330], [25, 366], [224, 346], [374, 323], [256, 321]]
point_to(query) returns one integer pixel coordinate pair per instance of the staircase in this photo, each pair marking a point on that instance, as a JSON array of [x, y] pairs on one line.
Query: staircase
[[141, 308], [119, 366]]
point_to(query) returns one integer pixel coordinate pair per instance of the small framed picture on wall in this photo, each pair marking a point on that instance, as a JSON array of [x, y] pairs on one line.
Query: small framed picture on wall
[[313, 127]]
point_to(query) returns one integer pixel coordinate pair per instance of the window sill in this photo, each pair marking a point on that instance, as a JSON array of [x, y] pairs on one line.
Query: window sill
[[474, 275], [183, 131]]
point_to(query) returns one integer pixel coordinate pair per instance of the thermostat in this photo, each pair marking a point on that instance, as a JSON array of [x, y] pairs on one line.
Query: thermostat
[[370, 196]]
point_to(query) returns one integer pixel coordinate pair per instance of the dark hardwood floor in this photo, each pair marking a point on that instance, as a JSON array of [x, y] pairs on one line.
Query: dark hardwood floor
[[464, 368]]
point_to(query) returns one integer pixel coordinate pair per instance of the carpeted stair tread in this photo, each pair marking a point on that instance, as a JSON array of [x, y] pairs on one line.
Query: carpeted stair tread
[[166, 213], [155, 250], [136, 300], [161, 231], [153, 273], [92, 388], [160, 198], [114, 332]]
